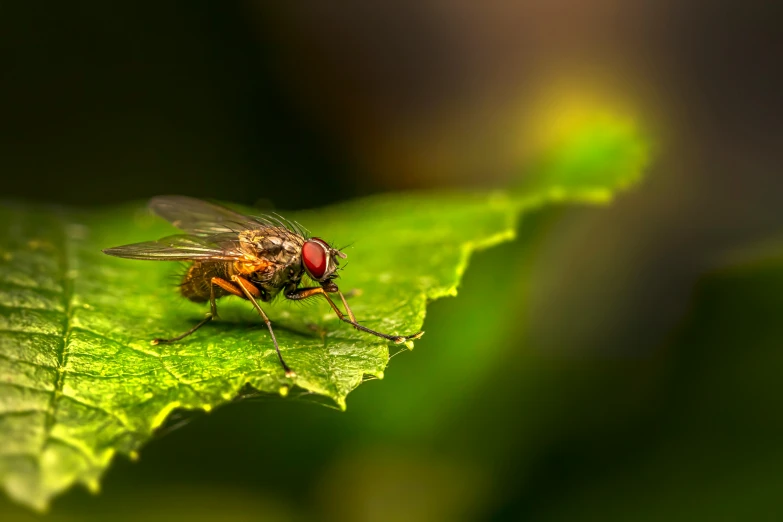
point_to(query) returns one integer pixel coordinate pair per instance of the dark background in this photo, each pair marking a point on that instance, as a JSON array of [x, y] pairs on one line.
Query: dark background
[[627, 368]]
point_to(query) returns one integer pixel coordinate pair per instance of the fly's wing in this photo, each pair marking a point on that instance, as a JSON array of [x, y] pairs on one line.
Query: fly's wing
[[218, 247], [199, 217]]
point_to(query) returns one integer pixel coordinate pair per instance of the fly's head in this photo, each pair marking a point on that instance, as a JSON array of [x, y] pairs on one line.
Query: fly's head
[[321, 261]]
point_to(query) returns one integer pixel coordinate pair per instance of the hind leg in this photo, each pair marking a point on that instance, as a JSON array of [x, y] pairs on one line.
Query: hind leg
[[216, 281]]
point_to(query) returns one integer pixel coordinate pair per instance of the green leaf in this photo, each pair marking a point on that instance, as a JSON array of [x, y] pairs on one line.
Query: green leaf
[[80, 381]]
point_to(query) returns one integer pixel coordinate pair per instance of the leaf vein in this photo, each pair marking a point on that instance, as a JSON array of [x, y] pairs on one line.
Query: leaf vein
[[100, 409], [20, 413], [24, 387], [62, 353], [78, 449], [26, 332], [29, 363]]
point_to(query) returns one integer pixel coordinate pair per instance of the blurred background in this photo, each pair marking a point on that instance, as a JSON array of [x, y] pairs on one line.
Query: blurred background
[[626, 366]]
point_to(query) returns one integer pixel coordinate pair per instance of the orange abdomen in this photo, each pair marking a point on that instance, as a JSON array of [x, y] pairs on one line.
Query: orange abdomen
[[197, 280]]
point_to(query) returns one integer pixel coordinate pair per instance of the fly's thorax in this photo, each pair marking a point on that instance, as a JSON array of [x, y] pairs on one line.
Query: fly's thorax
[[272, 257], [288, 274], [274, 244]]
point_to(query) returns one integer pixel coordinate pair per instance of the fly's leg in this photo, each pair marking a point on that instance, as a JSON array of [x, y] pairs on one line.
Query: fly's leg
[[240, 288], [305, 293], [212, 305], [211, 315], [251, 292], [231, 288], [347, 308], [201, 323]]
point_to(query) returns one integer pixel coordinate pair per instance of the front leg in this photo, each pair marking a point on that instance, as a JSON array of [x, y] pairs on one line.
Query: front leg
[[332, 288], [306, 293]]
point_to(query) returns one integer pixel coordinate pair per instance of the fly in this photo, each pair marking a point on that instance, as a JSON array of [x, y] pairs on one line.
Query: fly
[[252, 257]]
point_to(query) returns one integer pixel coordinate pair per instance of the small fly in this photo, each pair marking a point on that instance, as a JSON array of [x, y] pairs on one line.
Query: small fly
[[252, 257]]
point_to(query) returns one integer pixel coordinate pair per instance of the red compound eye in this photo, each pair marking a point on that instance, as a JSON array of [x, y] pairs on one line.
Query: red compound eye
[[314, 255]]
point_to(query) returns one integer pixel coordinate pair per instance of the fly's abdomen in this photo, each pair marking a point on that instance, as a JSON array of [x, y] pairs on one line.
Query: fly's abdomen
[[198, 279]]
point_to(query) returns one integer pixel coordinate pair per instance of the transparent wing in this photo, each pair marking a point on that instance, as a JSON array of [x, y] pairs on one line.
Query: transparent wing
[[218, 247], [201, 218]]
